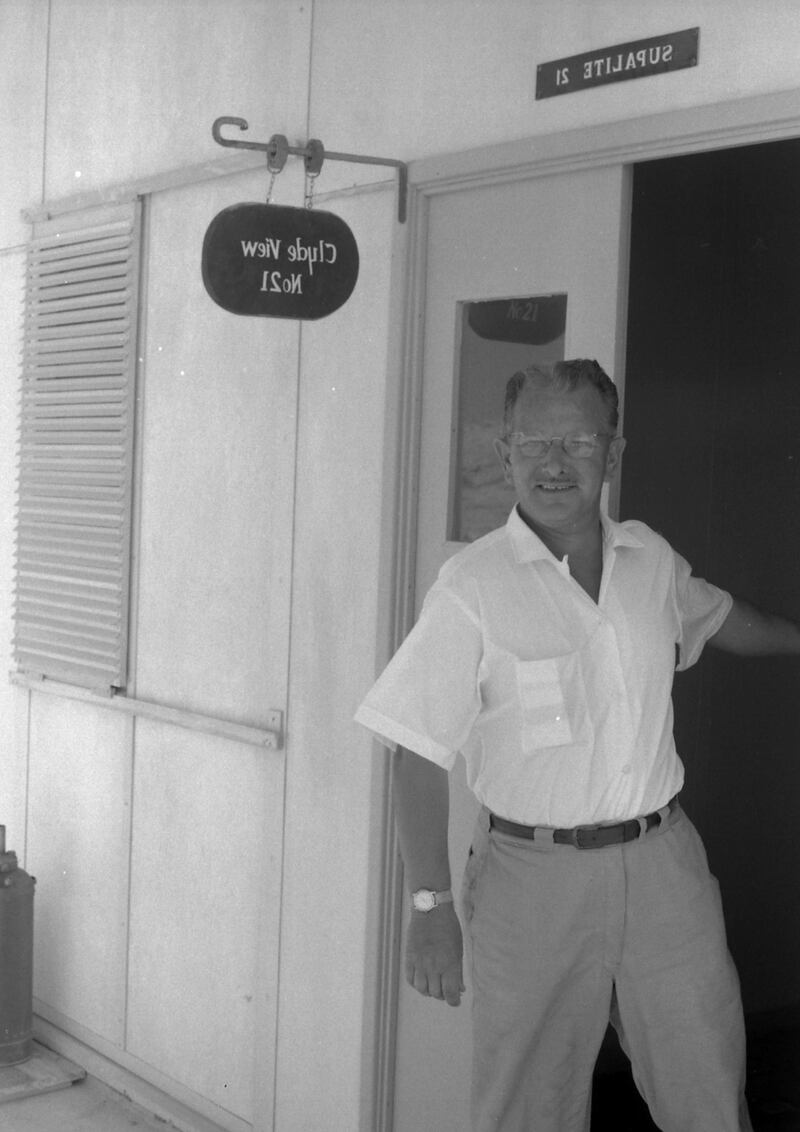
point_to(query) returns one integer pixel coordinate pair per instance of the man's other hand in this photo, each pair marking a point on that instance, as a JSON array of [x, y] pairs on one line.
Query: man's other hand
[[434, 950]]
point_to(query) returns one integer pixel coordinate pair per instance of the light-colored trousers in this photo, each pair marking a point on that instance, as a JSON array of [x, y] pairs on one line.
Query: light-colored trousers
[[564, 939]]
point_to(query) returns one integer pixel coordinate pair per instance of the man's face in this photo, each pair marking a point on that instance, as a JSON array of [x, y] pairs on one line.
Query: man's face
[[558, 492]]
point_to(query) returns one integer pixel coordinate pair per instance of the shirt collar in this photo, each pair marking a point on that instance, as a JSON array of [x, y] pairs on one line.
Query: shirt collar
[[528, 547]]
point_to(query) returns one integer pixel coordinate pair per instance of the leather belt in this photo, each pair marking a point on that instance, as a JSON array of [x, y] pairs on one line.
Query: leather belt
[[588, 836]]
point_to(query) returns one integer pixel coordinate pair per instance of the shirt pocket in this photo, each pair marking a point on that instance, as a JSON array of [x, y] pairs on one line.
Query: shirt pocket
[[543, 687]]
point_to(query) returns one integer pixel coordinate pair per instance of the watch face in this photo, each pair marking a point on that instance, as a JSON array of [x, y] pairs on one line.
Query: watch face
[[424, 900]]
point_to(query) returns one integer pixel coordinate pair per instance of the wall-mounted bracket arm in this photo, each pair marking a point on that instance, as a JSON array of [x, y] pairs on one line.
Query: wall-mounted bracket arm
[[278, 148]]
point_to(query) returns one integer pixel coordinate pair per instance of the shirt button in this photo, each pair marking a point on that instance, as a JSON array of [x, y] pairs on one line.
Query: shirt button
[[626, 769]]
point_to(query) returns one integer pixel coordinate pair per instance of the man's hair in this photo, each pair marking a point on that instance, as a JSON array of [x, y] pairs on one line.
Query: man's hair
[[566, 376]]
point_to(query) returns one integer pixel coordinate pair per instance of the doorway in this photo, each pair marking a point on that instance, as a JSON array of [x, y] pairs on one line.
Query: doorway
[[499, 262], [557, 225], [712, 417]]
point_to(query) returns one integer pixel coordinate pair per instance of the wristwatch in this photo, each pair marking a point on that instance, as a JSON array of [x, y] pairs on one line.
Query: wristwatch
[[423, 900]]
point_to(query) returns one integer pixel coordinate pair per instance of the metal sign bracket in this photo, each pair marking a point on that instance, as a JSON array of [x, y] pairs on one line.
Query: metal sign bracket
[[314, 153]]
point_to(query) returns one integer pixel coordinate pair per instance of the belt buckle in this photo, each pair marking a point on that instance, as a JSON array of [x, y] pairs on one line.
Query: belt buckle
[[587, 836], [601, 836]]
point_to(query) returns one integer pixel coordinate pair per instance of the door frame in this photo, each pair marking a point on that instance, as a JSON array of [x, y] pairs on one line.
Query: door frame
[[746, 121]]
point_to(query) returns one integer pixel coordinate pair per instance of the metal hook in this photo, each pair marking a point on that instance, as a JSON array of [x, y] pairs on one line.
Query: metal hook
[[277, 148], [277, 152], [216, 131], [314, 156]]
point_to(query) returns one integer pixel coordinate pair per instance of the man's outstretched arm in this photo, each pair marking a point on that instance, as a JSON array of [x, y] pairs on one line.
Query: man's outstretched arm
[[434, 944], [749, 632]]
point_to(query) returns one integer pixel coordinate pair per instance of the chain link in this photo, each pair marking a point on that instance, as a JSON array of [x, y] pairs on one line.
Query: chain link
[[310, 179]]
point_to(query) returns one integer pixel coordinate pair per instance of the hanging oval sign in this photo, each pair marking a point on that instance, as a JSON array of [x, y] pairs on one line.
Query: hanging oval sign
[[279, 262], [534, 321]]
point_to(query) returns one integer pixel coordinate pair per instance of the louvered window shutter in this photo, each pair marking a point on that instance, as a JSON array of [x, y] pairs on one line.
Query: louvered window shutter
[[76, 449]]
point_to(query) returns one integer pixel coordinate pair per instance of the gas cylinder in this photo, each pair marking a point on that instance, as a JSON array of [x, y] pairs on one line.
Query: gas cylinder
[[16, 958]]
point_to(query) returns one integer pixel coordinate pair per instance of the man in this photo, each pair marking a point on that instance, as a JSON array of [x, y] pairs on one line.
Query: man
[[544, 654]]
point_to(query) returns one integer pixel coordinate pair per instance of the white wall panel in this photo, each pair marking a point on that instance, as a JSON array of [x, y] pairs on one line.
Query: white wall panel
[[206, 853], [78, 849], [134, 86], [13, 706], [330, 889], [218, 472], [23, 62], [421, 78], [219, 397]]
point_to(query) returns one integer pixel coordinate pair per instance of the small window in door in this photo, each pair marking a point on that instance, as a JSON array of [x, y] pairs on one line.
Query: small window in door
[[496, 338]]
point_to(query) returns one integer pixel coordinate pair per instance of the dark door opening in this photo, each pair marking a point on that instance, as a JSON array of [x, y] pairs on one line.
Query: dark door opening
[[712, 417]]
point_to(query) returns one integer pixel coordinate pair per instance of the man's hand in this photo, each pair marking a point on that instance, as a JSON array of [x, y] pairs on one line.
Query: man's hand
[[434, 945], [434, 949]]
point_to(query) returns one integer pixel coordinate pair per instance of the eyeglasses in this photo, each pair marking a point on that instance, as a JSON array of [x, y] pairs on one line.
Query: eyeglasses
[[577, 444]]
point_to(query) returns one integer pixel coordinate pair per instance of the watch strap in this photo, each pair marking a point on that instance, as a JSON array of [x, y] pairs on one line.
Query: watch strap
[[431, 899]]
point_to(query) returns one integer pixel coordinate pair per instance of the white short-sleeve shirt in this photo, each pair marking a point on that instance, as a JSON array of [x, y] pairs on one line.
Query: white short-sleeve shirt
[[560, 706]]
